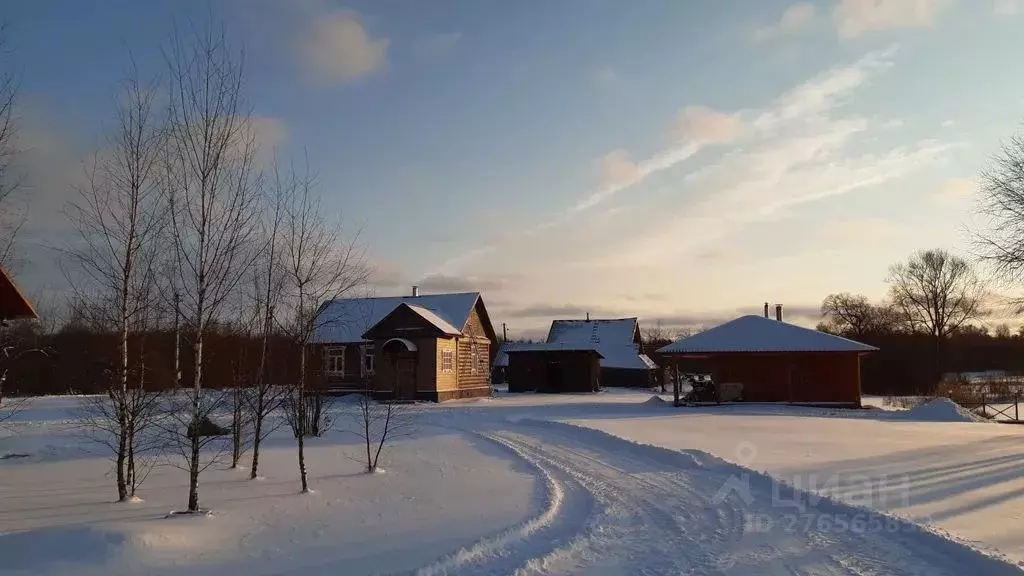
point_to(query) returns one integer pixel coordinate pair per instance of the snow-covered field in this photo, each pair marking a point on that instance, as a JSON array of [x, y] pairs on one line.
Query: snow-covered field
[[615, 483]]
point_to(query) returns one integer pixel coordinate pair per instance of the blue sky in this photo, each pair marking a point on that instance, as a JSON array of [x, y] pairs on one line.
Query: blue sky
[[667, 159]]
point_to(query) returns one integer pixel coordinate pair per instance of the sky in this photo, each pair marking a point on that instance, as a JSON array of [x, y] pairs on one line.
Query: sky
[[677, 160]]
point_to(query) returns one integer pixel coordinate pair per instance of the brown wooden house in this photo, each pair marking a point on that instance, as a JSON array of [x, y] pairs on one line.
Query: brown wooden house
[[13, 303], [422, 347], [775, 361]]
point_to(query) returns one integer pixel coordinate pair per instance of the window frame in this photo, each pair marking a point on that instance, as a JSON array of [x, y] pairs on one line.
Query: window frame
[[367, 352], [331, 355], [447, 361]]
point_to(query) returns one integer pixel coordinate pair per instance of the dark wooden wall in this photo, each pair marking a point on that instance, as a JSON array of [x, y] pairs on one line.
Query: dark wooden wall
[[528, 371]]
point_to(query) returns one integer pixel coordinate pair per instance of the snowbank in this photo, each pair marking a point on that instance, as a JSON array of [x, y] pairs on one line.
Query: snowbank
[[942, 410]]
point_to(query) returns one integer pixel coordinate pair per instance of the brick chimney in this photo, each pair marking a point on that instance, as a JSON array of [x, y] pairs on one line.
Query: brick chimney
[[765, 309], [415, 291], [778, 312]]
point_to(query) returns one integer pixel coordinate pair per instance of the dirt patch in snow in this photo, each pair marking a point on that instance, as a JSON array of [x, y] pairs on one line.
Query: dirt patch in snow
[[942, 410]]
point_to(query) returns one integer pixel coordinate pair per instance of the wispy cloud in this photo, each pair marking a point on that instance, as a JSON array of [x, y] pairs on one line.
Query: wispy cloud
[[337, 47], [795, 18], [695, 128], [854, 18]]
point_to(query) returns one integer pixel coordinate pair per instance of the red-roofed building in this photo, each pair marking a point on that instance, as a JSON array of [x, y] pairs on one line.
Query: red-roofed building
[[13, 303]]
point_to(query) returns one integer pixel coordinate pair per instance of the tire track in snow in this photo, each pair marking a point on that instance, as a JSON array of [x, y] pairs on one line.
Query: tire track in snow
[[654, 512], [474, 558]]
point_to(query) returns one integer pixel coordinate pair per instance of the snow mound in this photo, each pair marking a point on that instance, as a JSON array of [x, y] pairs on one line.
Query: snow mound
[[655, 400], [942, 410]]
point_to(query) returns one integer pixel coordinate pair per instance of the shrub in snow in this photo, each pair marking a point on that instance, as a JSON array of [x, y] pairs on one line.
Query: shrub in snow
[[207, 427]]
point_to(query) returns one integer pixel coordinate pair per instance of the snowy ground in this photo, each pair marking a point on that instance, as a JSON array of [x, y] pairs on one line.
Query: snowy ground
[[536, 484]]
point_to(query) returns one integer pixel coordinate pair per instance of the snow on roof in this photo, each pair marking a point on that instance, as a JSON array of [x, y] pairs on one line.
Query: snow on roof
[[613, 339], [554, 347], [759, 334], [342, 321], [433, 318]]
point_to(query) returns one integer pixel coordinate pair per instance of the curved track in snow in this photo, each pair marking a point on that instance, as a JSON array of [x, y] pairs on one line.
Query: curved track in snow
[[616, 507]]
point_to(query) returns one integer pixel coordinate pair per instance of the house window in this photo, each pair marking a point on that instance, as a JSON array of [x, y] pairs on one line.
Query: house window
[[334, 361], [368, 360], [447, 361]]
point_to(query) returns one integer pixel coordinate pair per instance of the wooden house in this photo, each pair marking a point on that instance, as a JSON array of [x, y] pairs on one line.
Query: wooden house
[[775, 361], [619, 344], [433, 347]]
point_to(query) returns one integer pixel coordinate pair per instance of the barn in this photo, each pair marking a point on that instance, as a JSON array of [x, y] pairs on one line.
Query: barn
[[775, 361], [553, 368], [618, 342]]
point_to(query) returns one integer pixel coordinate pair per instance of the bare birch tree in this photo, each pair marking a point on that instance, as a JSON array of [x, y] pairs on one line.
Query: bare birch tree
[[119, 217], [319, 265], [267, 395], [214, 191]]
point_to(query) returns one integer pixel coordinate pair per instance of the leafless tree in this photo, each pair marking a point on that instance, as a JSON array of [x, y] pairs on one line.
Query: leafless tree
[[214, 190], [12, 216], [119, 217], [319, 265], [377, 422], [18, 340], [937, 293], [1000, 241], [267, 396]]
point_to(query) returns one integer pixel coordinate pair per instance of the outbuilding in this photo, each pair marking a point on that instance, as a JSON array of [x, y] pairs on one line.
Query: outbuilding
[[775, 361], [553, 368], [623, 362]]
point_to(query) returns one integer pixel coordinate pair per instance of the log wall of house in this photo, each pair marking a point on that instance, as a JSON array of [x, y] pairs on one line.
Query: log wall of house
[[446, 380], [469, 375]]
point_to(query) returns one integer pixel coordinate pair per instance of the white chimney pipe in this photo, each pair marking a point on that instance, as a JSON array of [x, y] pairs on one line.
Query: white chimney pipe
[[415, 291]]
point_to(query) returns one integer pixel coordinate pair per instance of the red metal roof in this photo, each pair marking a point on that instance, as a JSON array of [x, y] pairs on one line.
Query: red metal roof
[[13, 304]]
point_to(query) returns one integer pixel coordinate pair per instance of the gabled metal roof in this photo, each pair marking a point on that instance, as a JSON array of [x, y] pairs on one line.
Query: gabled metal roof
[[759, 334]]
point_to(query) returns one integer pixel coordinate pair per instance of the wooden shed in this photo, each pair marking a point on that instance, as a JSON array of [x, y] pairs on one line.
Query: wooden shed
[[553, 369], [775, 361]]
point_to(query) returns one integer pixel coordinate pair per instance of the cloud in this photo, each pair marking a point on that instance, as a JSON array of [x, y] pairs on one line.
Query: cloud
[[436, 46], [854, 18], [699, 232], [338, 48], [947, 123], [617, 167], [795, 18], [853, 231], [799, 153], [1008, 7], [956, 190], [565, 311], [700, 124], [444, 283], [695, 128]]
